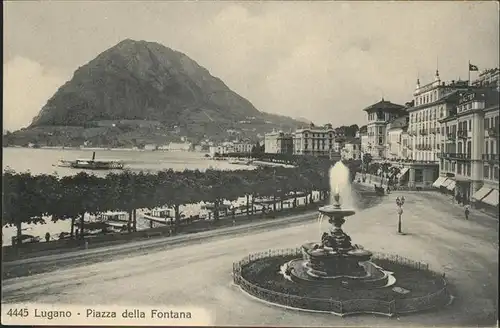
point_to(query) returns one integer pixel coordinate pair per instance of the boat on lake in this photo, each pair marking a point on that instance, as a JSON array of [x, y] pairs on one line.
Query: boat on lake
[[163, 215], [92, 164], [114, 221]]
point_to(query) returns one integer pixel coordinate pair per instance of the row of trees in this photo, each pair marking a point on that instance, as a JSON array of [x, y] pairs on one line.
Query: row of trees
[[29, 199]]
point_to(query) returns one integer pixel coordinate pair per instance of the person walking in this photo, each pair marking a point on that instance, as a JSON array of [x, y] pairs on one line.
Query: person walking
[[47, 237], [467, 211]]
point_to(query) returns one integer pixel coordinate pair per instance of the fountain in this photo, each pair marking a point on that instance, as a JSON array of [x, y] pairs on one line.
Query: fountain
[[335, 260], [335, 275]]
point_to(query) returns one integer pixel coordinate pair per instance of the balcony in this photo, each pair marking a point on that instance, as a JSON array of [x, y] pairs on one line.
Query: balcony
[[492, 158], [493, 132], [423, 132], [451, 137], [456, 156], [432, 130], [462, 134]]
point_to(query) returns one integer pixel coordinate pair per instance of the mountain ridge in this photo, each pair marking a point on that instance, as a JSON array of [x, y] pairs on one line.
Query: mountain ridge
[[141, 91], [160, 75]]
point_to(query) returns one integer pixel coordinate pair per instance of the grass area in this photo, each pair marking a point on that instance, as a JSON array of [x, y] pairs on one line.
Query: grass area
[[265, 273]]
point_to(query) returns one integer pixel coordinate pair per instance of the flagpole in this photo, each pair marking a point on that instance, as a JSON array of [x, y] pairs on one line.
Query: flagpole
[[468, 68]]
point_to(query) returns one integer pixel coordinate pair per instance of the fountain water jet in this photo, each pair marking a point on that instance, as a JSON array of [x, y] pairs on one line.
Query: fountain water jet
[[340, 183]]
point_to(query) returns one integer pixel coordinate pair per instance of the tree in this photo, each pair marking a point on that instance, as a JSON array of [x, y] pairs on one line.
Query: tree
[[26, 199]]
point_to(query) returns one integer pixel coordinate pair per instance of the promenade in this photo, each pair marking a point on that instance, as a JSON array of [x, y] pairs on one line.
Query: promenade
[[199, 273]]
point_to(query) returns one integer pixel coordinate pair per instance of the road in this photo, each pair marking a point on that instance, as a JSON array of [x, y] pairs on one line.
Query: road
[[199, 274]]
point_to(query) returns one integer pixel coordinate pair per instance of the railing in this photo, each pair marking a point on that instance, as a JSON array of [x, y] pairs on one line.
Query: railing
[[432, 130], [457, 155], [423, 132], [493, 132], [346, 307], [491, 157], [451, 136], [462, 134]]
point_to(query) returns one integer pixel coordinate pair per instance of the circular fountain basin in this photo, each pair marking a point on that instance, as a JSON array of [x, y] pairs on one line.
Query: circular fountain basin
[[329, 210]]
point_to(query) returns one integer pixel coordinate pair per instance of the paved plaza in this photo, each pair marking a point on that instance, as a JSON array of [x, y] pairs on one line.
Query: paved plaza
[[199, 274]]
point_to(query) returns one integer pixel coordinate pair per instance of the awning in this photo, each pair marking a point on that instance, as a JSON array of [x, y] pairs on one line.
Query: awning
[[439, 182], [403, 172], [491, 198], [451, 186], [481, 193], [446, 183]]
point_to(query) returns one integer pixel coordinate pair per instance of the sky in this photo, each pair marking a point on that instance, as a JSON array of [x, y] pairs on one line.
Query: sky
[[323, 61]]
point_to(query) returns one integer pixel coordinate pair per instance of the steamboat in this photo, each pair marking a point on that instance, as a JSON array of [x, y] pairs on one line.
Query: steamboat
[[92, 164]]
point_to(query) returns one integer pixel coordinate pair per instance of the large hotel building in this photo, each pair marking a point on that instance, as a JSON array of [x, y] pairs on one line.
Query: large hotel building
[[448, 140], [470, 147]]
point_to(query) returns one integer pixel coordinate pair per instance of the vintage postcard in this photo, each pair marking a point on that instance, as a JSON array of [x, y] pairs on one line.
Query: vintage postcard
[[253, 163]]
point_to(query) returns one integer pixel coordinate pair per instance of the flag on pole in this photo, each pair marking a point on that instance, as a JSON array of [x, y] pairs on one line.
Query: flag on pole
[[473, 68]]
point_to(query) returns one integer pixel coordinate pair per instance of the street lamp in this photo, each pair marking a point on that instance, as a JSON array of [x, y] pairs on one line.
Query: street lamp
[[400, 202]]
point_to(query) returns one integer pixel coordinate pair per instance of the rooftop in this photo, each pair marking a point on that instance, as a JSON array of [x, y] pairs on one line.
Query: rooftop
[[385, 106], [399, 122], [450, 97]]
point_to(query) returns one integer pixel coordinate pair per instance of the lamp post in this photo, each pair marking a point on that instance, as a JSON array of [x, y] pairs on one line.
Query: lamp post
[[400, 202]]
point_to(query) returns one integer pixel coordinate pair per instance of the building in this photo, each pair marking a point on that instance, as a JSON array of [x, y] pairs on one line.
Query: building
[[432, 102], [243, 147], [316, 141], [489, 78], [379, 115], [351, 149], [180, 146], [470, 149], [222, 149], [150, 147], [397, 139], [278, 142]]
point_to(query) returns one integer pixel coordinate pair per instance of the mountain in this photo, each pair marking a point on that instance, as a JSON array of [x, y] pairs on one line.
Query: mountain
[[137, 81]]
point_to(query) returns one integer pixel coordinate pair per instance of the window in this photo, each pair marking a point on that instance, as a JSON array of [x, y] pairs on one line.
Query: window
[[486, 123], [468, 169], [470, 125], [419, 176], [486, 172], [469, 146], [459, 168], [495, 173], [380, 140], [486, 147], [492, 146]]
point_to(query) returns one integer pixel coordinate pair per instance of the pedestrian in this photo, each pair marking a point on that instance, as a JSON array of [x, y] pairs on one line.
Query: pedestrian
[[47, 237], [467, 211]]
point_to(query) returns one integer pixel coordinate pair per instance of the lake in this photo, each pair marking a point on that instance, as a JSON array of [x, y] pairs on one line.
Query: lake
[[43, 160]]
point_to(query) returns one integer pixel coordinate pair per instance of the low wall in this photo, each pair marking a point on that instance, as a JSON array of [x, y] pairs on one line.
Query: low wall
[[399, 306]]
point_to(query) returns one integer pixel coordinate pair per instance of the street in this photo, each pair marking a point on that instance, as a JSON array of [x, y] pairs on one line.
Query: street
[[199, 274]]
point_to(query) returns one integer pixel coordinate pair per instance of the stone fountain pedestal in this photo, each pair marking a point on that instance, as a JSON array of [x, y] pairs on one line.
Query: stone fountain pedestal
[[335, 261]]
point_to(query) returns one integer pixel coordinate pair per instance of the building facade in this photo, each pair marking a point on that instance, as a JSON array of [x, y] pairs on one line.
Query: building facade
[[278, 143], [396, 139], [351, 149], [432, 102], [316, 141], [489, 78], [243, 147], [470, 148], [379, 115]]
